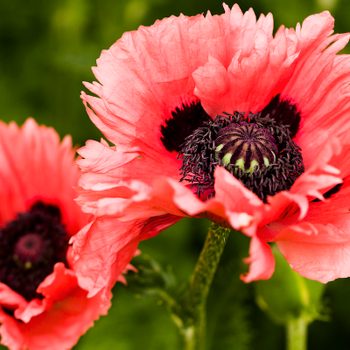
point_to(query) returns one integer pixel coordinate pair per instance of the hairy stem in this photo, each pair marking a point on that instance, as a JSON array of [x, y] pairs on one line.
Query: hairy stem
[[201, 280]]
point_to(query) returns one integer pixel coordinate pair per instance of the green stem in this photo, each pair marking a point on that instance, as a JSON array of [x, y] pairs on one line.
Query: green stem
[[297, 334], [202, 277]]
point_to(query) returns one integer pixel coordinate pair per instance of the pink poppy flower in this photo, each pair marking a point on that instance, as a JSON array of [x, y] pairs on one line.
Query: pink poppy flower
[[41, 303], [216, 116]]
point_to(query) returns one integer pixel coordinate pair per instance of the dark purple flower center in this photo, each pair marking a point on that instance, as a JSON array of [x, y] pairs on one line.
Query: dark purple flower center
[[30, 246], [257, 148]]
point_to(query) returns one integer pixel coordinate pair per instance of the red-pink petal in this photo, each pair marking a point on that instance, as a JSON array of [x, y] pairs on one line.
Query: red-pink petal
[[319, 246], [49, 159], [261, 261], [104, 248]]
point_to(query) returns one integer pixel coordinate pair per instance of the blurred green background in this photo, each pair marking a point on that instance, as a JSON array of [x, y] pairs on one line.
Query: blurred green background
[[47, 50]]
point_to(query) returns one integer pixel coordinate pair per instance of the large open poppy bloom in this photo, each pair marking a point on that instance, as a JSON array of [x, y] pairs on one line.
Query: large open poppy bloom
[[41, 305], [214, 116]]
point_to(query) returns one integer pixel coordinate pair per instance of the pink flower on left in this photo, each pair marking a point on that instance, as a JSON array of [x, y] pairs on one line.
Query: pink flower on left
[[41, 304]]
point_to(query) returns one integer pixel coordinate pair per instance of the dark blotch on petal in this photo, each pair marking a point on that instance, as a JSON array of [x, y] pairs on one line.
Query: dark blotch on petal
[[330, 192], [284, 113], [184, 121], [333, 191]]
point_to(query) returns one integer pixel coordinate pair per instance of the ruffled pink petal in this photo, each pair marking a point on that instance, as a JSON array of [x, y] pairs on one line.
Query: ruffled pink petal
[[67, 310], [261, 261], [137, 89], [24, 179], [136, 202], [319, 85], [107, 172], [95, 248], [11, 335], [321, 262], [59, 284], [239, 201], [9, 298], [33, 308], [103, 249], [256, 68], [319, 246], [168, 196], [55, 287], [301, 66], [108, 244], [233, 203], [72, 317], [320, 176]]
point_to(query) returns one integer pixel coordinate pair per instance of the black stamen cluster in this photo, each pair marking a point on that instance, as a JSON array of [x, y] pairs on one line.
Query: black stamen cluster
[[199, 158], [198, 155], [30, 245]]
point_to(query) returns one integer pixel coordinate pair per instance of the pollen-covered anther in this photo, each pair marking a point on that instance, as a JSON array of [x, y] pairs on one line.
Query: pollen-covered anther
[[246, 147]]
